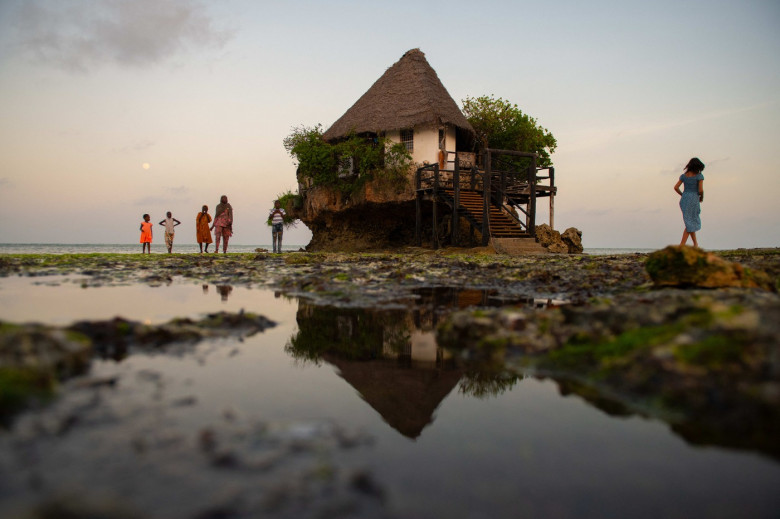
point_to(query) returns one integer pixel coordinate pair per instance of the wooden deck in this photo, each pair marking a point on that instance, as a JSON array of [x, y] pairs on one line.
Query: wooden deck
[[498, 204]]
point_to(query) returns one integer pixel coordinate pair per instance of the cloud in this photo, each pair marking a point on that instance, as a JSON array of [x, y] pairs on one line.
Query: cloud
[[590, 138], [82, 36], [136, 146], [171, 195]]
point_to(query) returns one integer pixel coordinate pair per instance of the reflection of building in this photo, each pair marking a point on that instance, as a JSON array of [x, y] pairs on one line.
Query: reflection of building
[[389, 356], [406, 396]]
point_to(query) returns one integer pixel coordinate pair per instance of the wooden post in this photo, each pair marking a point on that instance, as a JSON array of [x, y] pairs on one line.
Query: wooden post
[[418, 210], [486, 201], [456, 204], [532, 197], [435, 208], [552, 198]]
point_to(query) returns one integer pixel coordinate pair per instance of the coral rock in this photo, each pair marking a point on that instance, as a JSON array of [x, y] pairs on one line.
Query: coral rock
[[692, 267]]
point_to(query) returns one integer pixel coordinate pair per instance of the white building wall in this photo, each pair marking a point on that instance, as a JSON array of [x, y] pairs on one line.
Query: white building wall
[[426, 143]]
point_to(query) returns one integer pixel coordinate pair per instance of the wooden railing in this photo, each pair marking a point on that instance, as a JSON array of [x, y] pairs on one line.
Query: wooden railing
[[499, 181]]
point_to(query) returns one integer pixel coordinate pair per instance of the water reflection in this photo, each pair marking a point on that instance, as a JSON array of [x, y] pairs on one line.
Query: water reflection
[[223, 291], [390, 357]]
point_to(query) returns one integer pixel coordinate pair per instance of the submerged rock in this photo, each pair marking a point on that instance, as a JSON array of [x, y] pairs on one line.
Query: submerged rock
[[706, 362], [33, 357], [682, 266]]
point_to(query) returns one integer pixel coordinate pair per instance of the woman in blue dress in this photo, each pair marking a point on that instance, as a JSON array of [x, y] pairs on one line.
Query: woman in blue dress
[[690, 198]]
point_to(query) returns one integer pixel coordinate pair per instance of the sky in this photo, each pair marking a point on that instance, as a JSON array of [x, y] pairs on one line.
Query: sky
[[114, 108]]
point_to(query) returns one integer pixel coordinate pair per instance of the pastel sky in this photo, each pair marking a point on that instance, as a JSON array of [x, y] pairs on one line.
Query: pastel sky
[[203, 93]]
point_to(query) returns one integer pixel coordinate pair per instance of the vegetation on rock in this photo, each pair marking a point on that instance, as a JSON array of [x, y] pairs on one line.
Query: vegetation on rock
[[348, 163], [502, 125]]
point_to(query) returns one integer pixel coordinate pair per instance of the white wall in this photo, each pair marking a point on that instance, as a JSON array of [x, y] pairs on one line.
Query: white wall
[[426, 142]]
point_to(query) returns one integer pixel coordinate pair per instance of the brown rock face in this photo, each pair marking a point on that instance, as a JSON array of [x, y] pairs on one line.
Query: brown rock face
[[682, 266], [569, 242], [380, 215], [573, 239], [546, 235]]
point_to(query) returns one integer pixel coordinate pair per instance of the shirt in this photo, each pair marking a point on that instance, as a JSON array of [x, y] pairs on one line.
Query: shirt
[[277, 216]]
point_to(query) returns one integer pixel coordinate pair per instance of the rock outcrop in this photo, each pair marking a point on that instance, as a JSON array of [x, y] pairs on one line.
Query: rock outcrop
[[378, 215], [381, 215], [680, 266], [570, 242]]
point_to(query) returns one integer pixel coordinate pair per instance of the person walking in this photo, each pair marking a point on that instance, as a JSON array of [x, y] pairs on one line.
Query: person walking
[[169, 223], [276, 218], [203, 234], [223, 224], [691, 198]]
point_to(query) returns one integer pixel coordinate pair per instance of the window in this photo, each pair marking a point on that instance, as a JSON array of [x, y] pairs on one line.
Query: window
[[407, 138]]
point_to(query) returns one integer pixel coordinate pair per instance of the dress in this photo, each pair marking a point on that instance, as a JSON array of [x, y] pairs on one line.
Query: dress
[[146, 232], [689, 202], [202, 225]]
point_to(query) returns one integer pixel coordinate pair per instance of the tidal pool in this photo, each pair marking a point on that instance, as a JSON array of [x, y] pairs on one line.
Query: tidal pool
[[243, 427]]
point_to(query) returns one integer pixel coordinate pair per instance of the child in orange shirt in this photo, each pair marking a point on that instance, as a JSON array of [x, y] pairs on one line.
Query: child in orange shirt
[[146, 235]]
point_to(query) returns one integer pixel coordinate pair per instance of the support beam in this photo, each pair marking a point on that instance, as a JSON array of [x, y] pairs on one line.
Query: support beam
[[455, 237], [486, 201], [552, 198], [435, 240]]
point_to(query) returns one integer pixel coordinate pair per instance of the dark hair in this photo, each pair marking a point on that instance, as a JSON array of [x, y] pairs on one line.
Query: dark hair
[[695, 165], [145, 215]]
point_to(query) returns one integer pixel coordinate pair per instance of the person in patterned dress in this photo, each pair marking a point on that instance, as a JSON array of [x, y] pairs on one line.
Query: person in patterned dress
[[691, 198]]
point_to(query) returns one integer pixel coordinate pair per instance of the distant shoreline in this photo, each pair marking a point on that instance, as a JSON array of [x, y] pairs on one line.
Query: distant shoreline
[[190, 248]]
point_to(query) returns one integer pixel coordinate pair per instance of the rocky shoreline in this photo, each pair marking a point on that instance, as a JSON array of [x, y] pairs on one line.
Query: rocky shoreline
[[704, 360]]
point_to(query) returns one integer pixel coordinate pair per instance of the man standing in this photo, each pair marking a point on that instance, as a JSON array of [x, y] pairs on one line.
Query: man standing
[[277, 225]]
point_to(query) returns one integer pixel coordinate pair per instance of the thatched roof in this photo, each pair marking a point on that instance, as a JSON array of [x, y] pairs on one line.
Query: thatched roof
[[408, 94]]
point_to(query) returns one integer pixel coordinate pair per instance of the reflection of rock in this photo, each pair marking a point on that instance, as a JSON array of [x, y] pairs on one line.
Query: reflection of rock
[[707, 361], [692, 267]]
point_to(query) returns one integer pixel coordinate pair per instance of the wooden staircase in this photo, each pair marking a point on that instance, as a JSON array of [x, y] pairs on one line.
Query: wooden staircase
[[501, 224]]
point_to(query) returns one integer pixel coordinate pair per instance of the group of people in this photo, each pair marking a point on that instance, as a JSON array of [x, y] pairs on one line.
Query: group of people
[[222, 225], [691, 198]]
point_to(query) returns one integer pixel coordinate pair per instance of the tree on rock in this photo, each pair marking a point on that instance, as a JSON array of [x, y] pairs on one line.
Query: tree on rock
[[502, 125]]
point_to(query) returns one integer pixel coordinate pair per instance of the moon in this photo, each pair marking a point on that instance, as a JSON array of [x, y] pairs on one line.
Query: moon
[[146, 165]]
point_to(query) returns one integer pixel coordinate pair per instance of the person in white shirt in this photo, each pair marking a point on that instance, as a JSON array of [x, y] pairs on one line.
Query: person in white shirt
[[169, 223], [276, 217]]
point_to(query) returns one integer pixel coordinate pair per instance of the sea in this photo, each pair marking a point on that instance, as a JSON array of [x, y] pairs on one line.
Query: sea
[[159, 248]]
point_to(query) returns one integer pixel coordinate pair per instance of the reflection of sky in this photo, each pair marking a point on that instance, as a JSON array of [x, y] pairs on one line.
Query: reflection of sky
[[528, 449], [204, 92]]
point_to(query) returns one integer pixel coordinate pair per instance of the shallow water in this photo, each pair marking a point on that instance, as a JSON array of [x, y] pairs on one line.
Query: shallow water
[[443, 442]]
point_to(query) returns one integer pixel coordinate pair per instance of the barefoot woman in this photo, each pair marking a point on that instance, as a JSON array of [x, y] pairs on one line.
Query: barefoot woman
[[691, 198]]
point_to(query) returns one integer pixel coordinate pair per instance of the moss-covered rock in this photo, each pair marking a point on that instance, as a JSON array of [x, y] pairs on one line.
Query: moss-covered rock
[[682, 266], [706, 361]]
